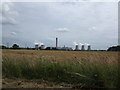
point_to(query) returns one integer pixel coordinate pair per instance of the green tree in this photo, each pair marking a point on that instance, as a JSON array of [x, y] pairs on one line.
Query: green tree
[[15, 46], [3, 47]]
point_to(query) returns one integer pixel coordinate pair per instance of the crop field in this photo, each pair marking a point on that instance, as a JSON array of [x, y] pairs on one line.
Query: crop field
[[59, 69]]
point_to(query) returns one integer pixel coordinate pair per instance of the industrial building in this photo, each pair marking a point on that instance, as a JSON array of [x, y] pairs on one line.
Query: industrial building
[[77, 47], [66, 48], [59, 48]]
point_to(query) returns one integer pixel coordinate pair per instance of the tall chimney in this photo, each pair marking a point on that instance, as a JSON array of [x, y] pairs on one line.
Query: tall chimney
[[56, 43]]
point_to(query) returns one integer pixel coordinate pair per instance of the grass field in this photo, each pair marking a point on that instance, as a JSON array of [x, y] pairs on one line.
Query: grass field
[[76, 69]]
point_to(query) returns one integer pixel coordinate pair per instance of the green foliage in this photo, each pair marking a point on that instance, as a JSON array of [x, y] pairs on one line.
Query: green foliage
[[87, 74], [15, 46]]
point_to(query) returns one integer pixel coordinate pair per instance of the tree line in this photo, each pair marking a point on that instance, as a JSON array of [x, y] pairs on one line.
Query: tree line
[[16, 46]]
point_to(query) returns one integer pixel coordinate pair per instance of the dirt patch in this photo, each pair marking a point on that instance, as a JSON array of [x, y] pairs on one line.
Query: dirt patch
[[23, 83]]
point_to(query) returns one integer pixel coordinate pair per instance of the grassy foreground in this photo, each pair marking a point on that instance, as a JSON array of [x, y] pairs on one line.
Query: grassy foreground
[[80, 72]]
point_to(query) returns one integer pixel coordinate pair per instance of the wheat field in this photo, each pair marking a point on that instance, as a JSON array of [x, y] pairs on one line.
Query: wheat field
[[100, 56], [77, 68]]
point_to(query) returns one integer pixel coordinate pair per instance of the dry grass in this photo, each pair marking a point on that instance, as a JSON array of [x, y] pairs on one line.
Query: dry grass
[[100, 56], [86, 68]]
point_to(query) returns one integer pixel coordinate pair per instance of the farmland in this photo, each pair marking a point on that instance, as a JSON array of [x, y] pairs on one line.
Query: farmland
[[61, 69]]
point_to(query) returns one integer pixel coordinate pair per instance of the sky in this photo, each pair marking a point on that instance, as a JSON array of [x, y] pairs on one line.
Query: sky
[[27, 23]]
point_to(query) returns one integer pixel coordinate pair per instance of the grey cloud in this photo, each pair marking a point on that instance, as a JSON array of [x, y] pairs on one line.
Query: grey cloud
[[75, 43], [93, 23], [92, 28], [13, 33], [8, 13], [8, 20], [62, 30], [51, 39]]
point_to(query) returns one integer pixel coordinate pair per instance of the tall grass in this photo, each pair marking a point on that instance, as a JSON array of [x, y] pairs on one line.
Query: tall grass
[[82, 72]]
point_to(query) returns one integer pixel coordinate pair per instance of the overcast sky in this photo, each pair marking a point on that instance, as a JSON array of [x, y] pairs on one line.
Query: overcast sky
[[73, 23]]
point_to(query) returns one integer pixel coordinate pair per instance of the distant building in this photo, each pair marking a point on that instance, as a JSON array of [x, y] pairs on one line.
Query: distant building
[[66, 48], [50, 48], [59, 48]]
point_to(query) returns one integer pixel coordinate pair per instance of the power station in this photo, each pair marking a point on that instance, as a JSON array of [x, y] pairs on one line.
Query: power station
[[77, 47]]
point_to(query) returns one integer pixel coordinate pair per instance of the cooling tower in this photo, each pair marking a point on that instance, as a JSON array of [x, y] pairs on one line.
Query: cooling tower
[[42, 46], [89, 48], [36, 46], [77, 47], [83, 47]]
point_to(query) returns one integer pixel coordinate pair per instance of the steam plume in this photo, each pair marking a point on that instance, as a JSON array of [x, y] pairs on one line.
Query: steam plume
[[75, 43]]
